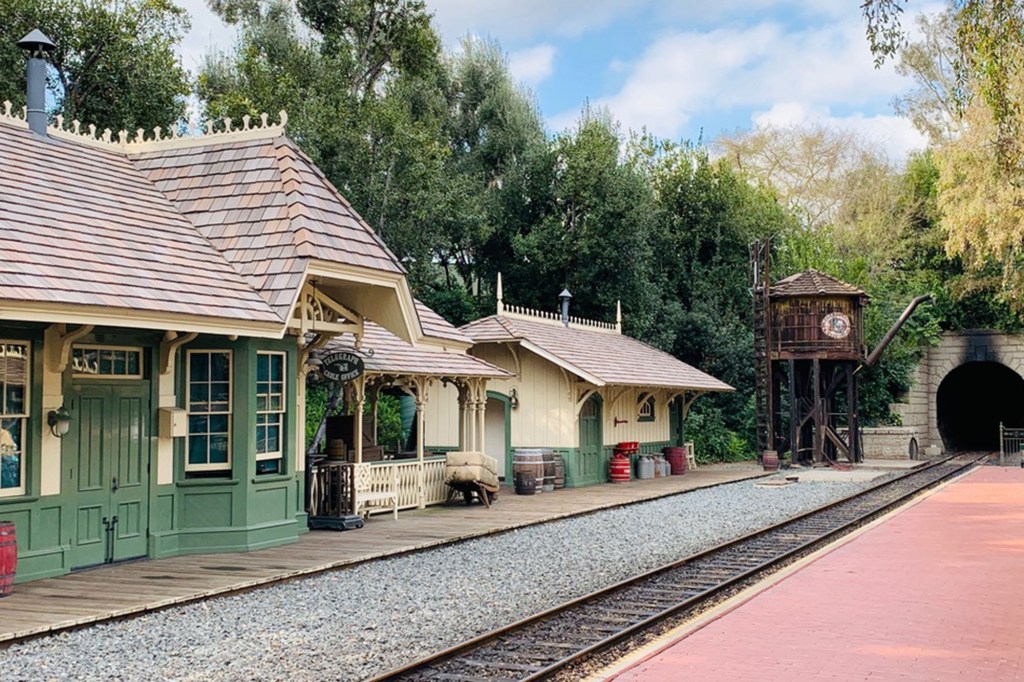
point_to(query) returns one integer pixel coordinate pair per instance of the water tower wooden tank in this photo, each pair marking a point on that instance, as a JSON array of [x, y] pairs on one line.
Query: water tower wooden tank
[[809, 333]]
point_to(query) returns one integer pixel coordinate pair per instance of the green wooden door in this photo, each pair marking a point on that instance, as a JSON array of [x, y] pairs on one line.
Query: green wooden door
[[106, 468], [590, 462], [675, 422]]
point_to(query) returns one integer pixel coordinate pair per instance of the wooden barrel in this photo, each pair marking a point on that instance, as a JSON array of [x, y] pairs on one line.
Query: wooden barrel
[[549, 471], [526, 484], [529, 462], [8, 557], [676, 459], [559, 471], [770, 460]]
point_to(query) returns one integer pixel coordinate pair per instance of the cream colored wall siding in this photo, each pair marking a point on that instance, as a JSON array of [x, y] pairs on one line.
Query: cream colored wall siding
[[546, 417], [442, 416], [53, 398], [494, 440], [626, 407]]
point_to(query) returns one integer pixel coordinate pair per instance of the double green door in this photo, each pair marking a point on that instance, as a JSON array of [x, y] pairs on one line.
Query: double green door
[[106, 469]]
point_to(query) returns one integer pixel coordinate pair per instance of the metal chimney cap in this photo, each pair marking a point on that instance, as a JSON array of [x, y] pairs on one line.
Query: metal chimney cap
[[36, 41], [565, 294]]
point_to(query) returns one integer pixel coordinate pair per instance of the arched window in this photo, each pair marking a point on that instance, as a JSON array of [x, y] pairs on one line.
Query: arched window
[[645, 408]]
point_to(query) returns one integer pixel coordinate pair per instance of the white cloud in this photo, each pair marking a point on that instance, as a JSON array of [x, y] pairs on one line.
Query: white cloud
[[527, 20], [533, 64], [895, 135], [523, 20], [696, 79]]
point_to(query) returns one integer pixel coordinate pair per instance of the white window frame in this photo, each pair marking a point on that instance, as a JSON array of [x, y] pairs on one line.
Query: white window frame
[[279, 453], [24, 416], [105, 377], [216, 466]]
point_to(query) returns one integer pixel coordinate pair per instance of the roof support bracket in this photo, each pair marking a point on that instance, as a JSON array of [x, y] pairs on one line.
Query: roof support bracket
[[584, 397], [59, 353], [172, 341]]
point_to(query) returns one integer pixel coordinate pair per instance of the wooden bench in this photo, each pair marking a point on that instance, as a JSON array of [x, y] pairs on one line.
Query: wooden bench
[[367, 499]]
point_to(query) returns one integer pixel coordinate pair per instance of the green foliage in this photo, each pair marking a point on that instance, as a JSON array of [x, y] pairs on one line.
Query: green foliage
[[114, 65], [713, 440], [317, 397], [389, 421]]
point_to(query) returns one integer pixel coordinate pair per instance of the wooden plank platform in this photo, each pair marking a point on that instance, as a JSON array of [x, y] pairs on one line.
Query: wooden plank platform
[[85, 597]]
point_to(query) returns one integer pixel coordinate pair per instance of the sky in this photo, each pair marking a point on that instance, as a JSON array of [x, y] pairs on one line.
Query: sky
[[682, 69]]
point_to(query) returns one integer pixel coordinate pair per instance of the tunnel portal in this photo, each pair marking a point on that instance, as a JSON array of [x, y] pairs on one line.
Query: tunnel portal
[[972, 401]]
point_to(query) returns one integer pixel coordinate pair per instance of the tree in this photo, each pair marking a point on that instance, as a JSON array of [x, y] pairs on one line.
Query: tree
[[114, 65], [933, 106], [807, 166], [710, 213], [981, 202], [989, 35]]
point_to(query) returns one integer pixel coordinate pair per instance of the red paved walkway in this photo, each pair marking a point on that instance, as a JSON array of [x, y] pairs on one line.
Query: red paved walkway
[[934, 593]]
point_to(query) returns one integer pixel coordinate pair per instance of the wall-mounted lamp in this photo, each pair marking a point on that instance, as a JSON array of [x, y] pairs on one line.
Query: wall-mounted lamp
[[59, 421], [513, 398]]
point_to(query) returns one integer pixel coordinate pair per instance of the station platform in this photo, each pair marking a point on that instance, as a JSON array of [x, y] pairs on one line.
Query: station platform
[[94, 595], [929, 592]]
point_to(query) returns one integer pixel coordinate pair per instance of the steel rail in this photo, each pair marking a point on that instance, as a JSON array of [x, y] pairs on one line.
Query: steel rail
[[427, 668]]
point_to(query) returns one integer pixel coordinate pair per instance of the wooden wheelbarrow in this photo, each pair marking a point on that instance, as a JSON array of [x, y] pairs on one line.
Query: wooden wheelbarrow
[[473, 474], [470, 489]]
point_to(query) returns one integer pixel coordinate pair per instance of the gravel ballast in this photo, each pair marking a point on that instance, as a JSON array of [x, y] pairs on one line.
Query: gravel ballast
[[354, 623]]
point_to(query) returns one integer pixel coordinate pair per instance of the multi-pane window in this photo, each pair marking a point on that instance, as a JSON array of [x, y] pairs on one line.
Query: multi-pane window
[[209, 410], [270, 408], [14, 408], [106, 361]]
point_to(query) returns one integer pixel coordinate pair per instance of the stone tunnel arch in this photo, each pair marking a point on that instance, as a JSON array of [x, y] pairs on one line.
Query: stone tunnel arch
[[973, 399]]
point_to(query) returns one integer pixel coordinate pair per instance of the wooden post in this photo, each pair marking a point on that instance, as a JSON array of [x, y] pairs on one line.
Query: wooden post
[[853, 421], [421, 398], [461, 386], [794, 415], [819, 433], [374, 404], [482, 407], [359, 388]]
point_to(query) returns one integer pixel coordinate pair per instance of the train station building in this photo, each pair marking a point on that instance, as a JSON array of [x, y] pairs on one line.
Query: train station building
[[577, 387], [160, 298]]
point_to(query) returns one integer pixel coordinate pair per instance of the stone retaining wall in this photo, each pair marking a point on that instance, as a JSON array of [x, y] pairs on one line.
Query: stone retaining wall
[[889, 442]]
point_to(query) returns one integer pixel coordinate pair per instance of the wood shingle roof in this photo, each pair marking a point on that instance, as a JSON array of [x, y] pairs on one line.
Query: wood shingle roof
[[267, 207], [600, 357], [392, 355], [84, 226], [814, 283]]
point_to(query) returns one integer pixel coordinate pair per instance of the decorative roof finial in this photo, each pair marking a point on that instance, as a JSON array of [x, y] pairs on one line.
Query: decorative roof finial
[[618, 316], [501, 297]]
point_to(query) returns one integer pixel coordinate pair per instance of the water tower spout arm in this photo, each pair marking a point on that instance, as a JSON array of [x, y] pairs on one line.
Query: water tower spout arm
[[891, 334]]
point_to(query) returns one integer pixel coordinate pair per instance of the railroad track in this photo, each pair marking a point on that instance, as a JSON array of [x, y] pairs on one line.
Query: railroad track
[[547, 643]]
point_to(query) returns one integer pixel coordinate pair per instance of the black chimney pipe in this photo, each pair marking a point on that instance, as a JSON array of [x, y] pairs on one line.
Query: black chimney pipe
[[37, 45], [564, 298]]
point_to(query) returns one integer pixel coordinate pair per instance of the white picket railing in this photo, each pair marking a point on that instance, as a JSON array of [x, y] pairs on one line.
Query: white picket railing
[[404, 476]]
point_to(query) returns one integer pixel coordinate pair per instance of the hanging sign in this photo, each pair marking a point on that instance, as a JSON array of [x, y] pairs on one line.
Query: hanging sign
[[342, 366]]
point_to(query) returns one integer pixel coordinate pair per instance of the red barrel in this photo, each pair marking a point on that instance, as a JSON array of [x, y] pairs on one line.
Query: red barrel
[[676, 459], [618, 468], [8, 557]]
